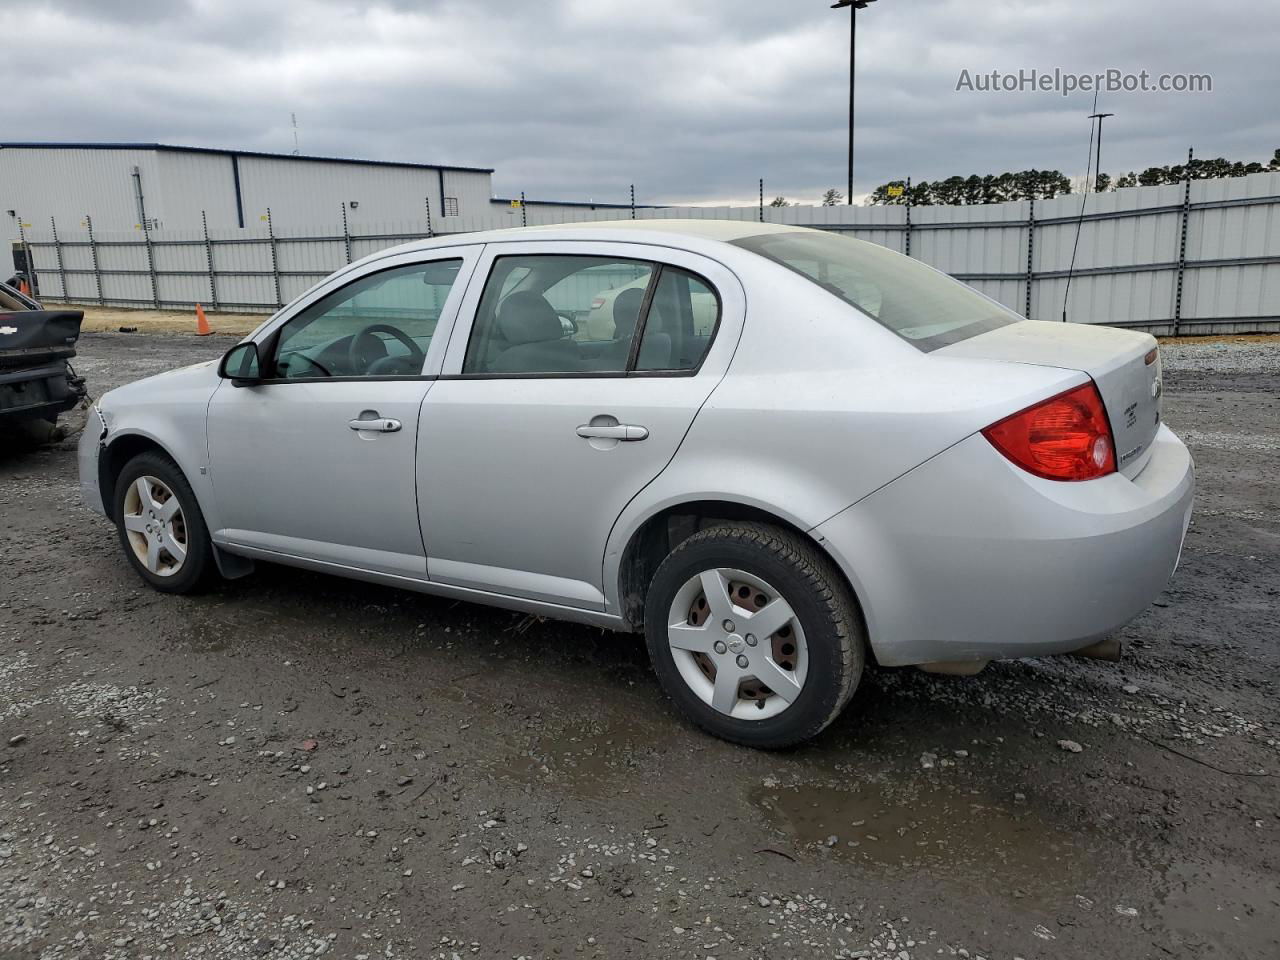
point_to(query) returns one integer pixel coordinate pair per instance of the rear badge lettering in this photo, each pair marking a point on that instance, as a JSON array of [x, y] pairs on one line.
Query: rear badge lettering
[[1131, 454], [1131, 415]]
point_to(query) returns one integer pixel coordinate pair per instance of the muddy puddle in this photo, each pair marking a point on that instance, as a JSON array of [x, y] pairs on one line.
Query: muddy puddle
[[589, 763], [1217, 904], [206, 637], [1013, 851]]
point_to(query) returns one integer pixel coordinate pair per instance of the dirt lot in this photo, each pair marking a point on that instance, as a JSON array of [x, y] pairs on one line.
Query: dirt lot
[[295, 765], [118, 320]]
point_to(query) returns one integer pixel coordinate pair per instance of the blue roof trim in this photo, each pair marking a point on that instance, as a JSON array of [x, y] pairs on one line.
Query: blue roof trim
[[579, 203], [38, 145]]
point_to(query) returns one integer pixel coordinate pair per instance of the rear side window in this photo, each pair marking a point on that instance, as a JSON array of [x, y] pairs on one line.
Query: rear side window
[[581, 315], [681, 321], [926, 308]]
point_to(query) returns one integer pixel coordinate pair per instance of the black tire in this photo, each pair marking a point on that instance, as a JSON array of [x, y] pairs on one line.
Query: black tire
[[198, 567], [806, 578]]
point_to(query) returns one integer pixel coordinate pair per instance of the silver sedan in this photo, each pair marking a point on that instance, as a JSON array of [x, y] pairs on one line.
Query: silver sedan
[[783, 453]]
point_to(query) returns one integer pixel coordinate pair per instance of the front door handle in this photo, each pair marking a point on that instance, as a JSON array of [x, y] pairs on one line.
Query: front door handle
[[376, 425], [617, 431]]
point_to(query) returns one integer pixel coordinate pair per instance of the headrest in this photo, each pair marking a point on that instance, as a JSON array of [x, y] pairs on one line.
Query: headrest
[[626, 311], [526, 317]]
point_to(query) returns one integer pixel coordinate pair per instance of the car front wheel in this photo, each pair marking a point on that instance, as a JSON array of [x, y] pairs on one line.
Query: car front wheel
[[754, 634], [160, 524]]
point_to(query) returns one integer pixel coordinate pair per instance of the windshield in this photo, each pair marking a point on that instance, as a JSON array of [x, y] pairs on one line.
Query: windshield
[[919, 304]]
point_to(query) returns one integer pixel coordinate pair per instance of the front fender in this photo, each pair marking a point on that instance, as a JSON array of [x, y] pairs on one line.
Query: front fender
[[122, 445]]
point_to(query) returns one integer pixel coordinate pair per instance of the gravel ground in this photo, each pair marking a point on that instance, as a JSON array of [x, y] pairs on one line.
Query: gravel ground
[[294, 765]]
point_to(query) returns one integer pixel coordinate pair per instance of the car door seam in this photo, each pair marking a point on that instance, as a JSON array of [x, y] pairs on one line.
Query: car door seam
[[742, 327], [417, 487]]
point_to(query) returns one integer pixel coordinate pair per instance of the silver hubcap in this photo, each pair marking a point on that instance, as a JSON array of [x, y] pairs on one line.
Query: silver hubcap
[[155, 525], [738, 644]]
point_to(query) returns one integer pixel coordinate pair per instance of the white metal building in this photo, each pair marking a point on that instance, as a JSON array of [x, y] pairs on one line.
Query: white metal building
[[121, 184], [557, 211]]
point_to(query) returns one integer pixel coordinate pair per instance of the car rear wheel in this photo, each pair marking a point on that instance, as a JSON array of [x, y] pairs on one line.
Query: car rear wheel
[[160, 524], [754, 634]]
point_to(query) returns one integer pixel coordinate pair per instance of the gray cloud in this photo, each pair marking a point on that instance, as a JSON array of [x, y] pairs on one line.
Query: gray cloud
[[573, 99]]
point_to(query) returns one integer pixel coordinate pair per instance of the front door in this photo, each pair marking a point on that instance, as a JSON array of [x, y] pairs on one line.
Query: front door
[[318, 460], [572, 389]]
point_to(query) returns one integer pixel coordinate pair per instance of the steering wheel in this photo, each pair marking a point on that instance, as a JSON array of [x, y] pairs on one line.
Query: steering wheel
[[569, 318], [356, 354], [315, 363]]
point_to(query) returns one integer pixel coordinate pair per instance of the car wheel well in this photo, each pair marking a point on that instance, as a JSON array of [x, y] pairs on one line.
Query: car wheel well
[[666, 530], [114, 457]]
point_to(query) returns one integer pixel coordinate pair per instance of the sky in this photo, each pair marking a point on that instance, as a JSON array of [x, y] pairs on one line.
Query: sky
[[690, 100]]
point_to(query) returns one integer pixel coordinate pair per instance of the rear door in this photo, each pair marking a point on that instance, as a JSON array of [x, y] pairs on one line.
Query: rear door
[[543, 426]]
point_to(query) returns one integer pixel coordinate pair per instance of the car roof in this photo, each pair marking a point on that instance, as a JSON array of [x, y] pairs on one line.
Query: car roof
[[605, 230]]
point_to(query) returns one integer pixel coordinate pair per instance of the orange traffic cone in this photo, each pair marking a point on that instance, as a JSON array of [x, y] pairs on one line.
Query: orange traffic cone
[[202, 323], [23, 288]]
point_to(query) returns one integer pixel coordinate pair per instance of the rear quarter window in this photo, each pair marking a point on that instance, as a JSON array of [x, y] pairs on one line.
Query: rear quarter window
[[926, 308]]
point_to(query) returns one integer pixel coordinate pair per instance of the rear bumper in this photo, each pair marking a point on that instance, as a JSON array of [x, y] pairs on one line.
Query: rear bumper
[[968, 557], [38, 392]]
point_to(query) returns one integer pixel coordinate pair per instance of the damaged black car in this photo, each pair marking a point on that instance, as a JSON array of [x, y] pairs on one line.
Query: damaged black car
[[37, 381]]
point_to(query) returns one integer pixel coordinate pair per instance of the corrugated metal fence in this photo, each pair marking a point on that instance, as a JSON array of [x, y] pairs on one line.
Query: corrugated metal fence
[[1197, 257]]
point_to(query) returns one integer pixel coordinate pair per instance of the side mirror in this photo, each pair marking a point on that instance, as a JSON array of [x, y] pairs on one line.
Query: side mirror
[[241, 365]]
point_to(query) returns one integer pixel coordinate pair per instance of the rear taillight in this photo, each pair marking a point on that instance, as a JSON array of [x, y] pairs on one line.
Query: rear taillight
[[1067, 437]]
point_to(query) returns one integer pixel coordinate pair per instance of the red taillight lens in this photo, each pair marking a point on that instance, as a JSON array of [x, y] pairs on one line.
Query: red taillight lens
[[1067, 437]]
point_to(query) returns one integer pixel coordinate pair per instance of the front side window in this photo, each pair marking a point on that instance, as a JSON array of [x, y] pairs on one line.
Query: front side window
[[549, 314], [926, 308], [378, 326]]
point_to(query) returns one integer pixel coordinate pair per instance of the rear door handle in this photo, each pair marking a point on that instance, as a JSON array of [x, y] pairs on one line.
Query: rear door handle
[[376, 425], [620, 431]]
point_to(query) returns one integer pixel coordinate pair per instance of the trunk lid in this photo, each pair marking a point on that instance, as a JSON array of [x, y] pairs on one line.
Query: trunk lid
[[1125, 365], [30, 338]]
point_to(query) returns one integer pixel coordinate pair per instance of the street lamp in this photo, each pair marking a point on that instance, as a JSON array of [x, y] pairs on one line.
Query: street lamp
[[854, 6], [1097, 173]]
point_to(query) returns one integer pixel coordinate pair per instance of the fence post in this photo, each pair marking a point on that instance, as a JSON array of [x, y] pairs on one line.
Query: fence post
[[762, 199], [26, 253], [1031, 246], [57, 249], [151, 265], [346, 238], [208, 256], [633, 201], [524, 214], [93, 253], [907, 244], [1182, 244], [425, 200], [275, 264]]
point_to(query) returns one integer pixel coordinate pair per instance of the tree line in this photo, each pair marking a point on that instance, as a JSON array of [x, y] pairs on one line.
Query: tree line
[[1043, 184], [1040, 184]]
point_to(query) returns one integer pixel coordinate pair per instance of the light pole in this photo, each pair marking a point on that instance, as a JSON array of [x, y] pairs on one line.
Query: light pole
[[854, 6], [1097, 173]]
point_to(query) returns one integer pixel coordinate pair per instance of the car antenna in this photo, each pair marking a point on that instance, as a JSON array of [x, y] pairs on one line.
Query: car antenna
[[1084, 195]]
